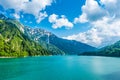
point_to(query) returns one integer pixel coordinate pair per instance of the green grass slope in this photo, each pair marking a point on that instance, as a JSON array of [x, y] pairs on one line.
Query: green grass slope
[[14, 43]]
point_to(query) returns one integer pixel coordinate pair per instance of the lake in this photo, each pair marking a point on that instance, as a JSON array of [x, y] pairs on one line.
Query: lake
[[60, 68]]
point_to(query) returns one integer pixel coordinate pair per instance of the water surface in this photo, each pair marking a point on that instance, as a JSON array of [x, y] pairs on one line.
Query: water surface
[[60, 68]]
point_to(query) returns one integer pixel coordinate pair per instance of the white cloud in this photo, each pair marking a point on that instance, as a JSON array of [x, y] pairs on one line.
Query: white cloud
[[41, 17], [112, 7], [58, 22], [104, 20], [90, 11], [34, 7], [18, 5], [16, 16], [82, 19], [105, 31]]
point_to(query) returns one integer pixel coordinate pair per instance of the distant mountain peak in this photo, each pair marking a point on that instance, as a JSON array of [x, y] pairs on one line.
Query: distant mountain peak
[[38, 31], [48, 40], [68, 46]]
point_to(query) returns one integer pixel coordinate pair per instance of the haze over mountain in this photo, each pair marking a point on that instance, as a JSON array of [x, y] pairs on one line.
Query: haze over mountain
[[111, 50]]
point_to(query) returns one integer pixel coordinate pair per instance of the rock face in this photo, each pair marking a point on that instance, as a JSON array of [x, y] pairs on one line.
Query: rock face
[[37, 35], [19, 40], [13, 42], [69, 47]]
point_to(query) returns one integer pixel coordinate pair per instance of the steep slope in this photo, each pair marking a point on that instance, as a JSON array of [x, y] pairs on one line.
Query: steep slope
[[70, 47], [112, 50], [36, 34], [14, 43], [49, 41]]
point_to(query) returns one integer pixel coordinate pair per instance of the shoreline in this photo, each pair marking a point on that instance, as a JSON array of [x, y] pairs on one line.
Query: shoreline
[[54, 55], [6, 57], [21, 57]]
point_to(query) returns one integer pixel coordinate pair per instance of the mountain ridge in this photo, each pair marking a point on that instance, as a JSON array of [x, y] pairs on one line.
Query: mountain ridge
[[110, 50], [71, 47], [47, 40], [13, 43]]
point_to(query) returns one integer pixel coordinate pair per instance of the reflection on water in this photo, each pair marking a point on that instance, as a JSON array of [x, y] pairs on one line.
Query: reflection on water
[[112, 76], [60, 68], [97, 65], [105, 65]]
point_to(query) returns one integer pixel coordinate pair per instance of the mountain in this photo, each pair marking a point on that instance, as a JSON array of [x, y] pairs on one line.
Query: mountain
[[112, 50], [14, 33], [36, 34], [13, 42], [70, 47]]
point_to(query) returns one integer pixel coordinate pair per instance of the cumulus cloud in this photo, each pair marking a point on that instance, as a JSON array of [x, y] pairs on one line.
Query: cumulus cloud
[[34, 7], [112, 6], [16, 16], [58, 22], [82, 19], [105, 31], [41, 17], [91, 11], [104, 20]]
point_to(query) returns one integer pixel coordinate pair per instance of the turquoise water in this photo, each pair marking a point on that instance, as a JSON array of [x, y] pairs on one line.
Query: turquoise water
[[60, 68]]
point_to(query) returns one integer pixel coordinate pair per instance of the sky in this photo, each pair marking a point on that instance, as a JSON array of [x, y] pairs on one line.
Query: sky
[[94, 22]]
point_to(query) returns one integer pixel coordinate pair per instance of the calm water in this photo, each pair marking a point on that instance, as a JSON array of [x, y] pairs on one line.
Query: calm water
[[60, 68]]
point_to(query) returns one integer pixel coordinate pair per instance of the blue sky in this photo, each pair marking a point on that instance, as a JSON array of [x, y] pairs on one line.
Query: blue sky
[[94, 22], [58, 7]]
